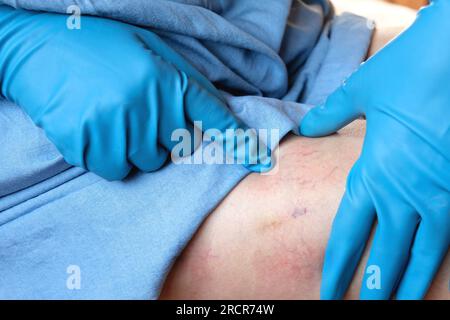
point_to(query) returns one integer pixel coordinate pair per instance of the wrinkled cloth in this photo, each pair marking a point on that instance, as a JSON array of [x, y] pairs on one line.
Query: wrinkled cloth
[[271, 59]]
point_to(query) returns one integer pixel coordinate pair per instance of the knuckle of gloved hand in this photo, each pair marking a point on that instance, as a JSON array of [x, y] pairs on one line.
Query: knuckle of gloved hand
[[439, 217], [144, 67], [117, 102], [113, 172], [148, 68]]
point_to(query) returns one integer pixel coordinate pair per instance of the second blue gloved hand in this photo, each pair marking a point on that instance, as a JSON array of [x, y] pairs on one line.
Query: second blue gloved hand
[[108, 95], [402, 177]]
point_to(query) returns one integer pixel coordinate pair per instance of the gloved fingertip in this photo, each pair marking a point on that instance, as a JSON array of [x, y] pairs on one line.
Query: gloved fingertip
[[306, 127], [310, 125], [113, 176], [111, 173]]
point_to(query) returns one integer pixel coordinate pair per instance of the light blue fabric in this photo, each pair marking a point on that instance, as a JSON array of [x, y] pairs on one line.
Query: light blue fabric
[[125, 235]]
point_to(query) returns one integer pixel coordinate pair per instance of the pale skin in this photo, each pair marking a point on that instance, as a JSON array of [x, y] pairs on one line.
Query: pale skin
[[267, 238]]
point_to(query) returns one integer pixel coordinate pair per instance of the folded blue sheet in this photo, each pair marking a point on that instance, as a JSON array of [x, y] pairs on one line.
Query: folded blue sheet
[[272, 59]]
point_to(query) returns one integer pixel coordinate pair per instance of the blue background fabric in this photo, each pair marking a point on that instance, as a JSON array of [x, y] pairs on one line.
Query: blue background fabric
[[272, 59]]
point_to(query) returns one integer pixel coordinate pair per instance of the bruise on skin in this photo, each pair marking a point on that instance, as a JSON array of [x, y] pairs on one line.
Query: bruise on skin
[[270, 224], [298, 212], [284, 259], [274, 222]]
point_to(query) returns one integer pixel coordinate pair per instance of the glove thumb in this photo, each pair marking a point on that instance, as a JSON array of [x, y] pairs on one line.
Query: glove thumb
[[336, 113]]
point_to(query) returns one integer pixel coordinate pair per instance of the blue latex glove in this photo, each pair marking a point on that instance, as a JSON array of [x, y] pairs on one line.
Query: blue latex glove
[[108, 95], [402, 177]]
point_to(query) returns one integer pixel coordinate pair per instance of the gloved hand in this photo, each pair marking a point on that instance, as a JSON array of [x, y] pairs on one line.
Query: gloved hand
[[403, 174], [108, 95]]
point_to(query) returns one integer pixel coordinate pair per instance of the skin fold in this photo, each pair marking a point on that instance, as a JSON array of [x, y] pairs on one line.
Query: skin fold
[[267, 239]]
